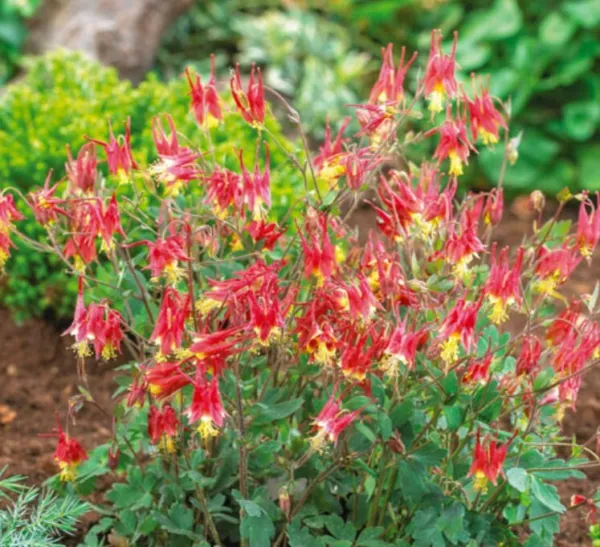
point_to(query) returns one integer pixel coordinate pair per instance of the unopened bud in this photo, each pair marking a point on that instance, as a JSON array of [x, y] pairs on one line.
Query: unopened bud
[[396, 445], [114, 453], [537, 201], [285, 502]]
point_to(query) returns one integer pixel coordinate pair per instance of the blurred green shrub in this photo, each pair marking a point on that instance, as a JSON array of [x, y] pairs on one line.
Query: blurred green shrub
[[542, 54], [13, 33], [65, 97]]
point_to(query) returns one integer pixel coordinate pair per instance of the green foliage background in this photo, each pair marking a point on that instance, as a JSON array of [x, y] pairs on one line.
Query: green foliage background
[[65, 97]]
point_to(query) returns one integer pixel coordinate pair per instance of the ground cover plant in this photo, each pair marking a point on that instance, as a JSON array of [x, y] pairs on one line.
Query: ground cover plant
[[286, 386]]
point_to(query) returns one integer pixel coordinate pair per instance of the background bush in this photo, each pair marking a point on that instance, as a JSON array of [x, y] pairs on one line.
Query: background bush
[[543, 54], [66, 96]]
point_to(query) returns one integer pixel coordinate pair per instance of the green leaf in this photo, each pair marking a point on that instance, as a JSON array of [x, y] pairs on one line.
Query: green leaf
[[401, 413], [451, 383], [581, 119], [258, 530], [547, 494], [277, 412], [518, 478], [455, 416], [385, 426], [366, 431]]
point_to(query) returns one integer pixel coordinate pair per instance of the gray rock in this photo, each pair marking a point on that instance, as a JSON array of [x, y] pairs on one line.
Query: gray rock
[[121, 33]]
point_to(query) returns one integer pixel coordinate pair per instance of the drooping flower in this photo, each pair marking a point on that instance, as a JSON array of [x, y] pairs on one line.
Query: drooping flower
[[118, 152], [486, 121], [588, 227], [175, 171], [458, 327], [82, 172], [319, 253], [494, 207], [164, 379], [267, 232], [331, 422], [224, 190], [69, 454], [162, 427], [207, 407], [502, 287], [528, 360], [440, 81], [402, 348], [110, 223], [327, 163], [206, 103], [45, 206], [164, 256], [166, 145], [478, 370], [103, 329], [454, 143], [85, 220], [554, 267], [251, 104], [175, 309], [8, 215], [488, 459], [78, 328], [256, 187], [389, 87]]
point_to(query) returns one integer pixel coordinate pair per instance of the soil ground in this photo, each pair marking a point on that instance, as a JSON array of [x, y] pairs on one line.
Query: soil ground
[[40, 376]]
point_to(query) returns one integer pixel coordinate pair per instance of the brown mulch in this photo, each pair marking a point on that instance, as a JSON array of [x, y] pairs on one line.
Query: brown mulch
[[40, 376]]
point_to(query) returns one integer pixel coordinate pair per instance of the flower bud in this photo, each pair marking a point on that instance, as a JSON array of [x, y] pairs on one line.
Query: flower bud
[[114, 453], [285, 502], [537, 201]]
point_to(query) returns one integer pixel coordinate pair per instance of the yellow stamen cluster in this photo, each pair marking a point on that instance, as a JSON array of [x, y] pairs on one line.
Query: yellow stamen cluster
[[205, 305], [436, 98], [68, 471], [487, 138], [480, 482], [3, 258], [109, 352], [82, 349], [207, 428], [166, 444], [499, 312], [450, 347], [331, 172], [456, 164]]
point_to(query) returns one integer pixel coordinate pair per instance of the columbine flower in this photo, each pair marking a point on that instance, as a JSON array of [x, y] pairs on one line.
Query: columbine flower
[[319, 253], [454, 143], [256, 187], [402, 348], [207, 407], [205, 99], [528, 359], [45, 206], [251, 104], [502, 287], [458, 327], [84, 226], [494, 207], [440, 82], [110, 223], [485, 119], [327, 163], [591, 514], [488, 459], [166, 145], [389, 87], [331, 422], [553, 268], [162, 427], [78, 328], [164, 379], [82, 172], [164, 256], [68, 454], [175, 309], [8, 215], [588, 227], [118, 152], [478, 370], [267, 232], [103, 328]]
